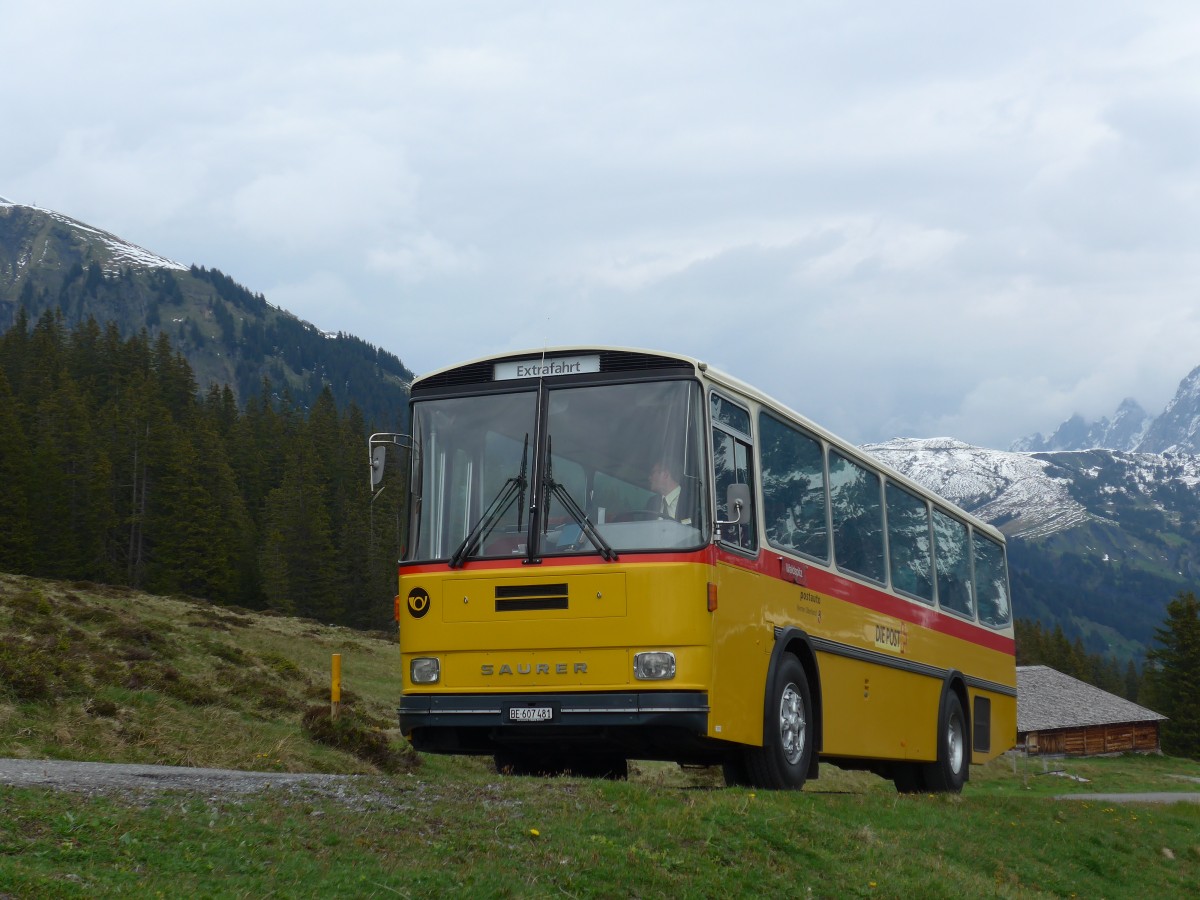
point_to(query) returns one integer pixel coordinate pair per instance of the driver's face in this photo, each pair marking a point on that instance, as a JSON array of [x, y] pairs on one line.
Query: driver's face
[[660, 479]]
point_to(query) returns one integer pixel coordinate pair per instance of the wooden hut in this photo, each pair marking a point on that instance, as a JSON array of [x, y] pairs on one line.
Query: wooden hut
[[1061, 715]]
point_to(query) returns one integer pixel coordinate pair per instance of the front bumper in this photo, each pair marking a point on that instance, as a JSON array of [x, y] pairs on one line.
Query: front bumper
[[479, 723]]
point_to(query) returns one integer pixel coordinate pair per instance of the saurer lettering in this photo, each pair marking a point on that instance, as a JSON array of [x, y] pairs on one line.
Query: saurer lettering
[[579, 668]]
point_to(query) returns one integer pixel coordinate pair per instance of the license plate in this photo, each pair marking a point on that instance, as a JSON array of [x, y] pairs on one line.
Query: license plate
[[530, 714]]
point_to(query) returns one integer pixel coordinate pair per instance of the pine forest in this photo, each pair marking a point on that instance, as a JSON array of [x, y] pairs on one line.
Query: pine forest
[[115, 469]]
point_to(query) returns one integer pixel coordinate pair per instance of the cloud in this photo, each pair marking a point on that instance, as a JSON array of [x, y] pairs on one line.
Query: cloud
[[916, 219], [330, 187], [415, 257]]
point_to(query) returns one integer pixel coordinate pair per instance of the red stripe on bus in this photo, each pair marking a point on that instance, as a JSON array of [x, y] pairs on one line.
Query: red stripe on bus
[[875, 599], [703, 555], [768, 564]]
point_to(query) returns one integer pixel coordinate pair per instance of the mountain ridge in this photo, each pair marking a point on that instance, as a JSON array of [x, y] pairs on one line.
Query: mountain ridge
[[50, 262], [122, 251], [1100, 537], [1099, 540], [1131, 429]]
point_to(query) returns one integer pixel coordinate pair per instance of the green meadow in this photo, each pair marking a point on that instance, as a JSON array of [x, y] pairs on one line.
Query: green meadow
[[94, 673]]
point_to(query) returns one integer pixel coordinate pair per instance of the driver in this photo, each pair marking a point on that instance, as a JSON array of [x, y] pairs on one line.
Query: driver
[[664, 483]]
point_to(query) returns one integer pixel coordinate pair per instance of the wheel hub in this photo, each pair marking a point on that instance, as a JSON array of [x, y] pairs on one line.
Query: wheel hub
[[792, 726], [954, 744]]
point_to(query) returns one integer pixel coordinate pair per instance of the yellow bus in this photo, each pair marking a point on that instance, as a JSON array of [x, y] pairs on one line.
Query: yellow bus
[[617, 554]]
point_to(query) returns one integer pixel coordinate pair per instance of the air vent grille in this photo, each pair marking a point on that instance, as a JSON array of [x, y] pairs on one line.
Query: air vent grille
[[517, 597]]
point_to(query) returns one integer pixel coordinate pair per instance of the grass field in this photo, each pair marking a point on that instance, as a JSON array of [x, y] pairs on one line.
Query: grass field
[[176, 681]]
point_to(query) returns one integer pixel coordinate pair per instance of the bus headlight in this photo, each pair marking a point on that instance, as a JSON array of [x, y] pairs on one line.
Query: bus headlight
[[425, 670], [654, 665]]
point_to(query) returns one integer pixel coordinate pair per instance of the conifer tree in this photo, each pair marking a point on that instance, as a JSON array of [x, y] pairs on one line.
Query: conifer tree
[[14, 352], [44, 359], [115, 470], [1133, 683], [62, 518], [199, 520], [17, 478], [1173, 678], [297, 555]]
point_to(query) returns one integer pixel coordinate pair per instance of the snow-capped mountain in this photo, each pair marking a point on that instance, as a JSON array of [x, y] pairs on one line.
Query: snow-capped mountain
[[1176, 430], [110, 251], [1099, 540], [1125, 431], [1034, 495], [1019, 491], [51, 263]]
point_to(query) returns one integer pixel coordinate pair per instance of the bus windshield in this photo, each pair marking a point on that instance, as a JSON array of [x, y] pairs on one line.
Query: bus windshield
[[619, 468]]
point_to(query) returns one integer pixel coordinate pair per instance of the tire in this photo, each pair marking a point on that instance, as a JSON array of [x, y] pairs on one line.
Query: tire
[[610, 768], [509, 762], [782, 762], [527, 763], [550, 765], [949, 773], [908, 778], [735, 772]]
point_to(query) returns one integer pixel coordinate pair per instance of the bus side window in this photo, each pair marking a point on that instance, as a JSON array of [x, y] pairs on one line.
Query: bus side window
[[856, 499], [991, 583], [953, 565], [732, 463], [908, 543], [793, 480]]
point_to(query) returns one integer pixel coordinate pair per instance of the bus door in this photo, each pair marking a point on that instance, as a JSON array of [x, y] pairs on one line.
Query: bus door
[[741, 640]]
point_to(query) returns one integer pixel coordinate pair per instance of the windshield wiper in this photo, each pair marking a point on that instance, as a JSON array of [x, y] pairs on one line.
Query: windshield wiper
[[585, 524], [512, 489]]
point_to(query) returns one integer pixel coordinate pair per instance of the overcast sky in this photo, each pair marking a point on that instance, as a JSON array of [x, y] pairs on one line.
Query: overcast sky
[[901, 219]]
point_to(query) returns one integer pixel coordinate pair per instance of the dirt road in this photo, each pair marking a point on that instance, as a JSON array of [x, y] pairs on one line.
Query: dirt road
[[118, 778]]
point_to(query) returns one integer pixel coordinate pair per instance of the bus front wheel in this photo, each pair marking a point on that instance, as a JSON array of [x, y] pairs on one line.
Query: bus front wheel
[[909, 778], [949, 773], [782, 762]]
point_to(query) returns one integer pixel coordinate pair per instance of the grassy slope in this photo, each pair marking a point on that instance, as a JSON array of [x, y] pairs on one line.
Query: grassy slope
[[96, 673], [453, 827]]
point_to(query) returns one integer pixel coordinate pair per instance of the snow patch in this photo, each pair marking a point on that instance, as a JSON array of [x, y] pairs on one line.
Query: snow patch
[[1012, 488], [1018, 491], [123, 252]]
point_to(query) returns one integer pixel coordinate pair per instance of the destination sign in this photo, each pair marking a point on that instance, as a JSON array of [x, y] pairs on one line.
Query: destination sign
[[547, 368]]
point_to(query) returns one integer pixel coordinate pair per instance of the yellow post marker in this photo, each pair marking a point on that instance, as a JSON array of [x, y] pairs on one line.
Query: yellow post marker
[[335, 689]]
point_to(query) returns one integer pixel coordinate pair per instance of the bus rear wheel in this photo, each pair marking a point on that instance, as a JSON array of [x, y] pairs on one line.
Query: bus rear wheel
[[782, 762], [517, 761], [609, 767], [528, 763], [949, 773]]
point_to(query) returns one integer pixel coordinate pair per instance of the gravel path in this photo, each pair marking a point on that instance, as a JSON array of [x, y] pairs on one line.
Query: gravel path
[[360, 791], [1155, 797], [94, 778]]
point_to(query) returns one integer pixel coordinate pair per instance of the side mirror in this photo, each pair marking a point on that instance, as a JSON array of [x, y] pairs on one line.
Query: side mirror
[[737, 501], [378, 458], [377, 447]]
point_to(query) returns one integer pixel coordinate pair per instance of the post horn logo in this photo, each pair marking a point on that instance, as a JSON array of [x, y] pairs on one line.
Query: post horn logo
[[418, 602]]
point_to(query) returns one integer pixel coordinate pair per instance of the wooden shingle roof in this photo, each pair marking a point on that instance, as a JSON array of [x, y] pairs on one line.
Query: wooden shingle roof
[[1047, 700]]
